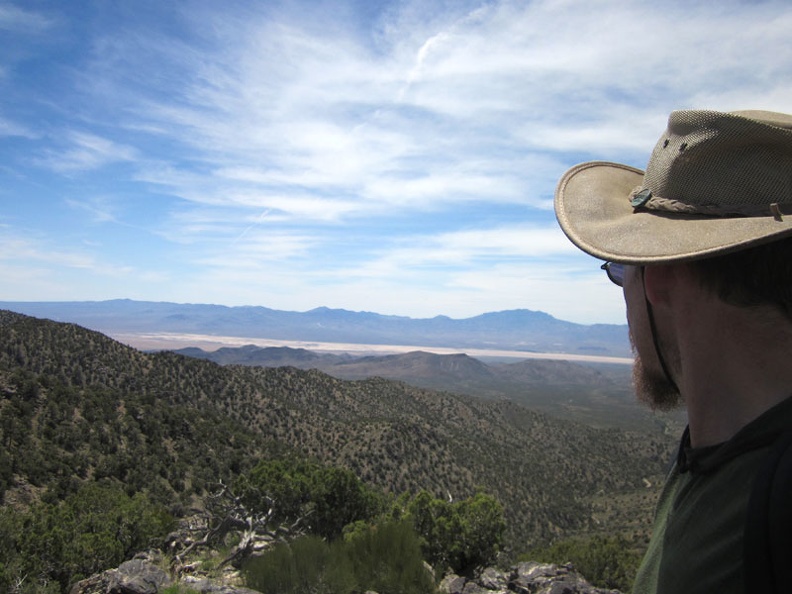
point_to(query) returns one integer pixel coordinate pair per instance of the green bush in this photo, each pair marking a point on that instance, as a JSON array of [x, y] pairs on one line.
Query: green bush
[[93, 529], [384, 558], [325, 498], [459, 535], [302, 565], [387, 559]]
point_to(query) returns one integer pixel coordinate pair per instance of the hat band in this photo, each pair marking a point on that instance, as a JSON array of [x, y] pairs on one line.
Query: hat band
[[642, 198]]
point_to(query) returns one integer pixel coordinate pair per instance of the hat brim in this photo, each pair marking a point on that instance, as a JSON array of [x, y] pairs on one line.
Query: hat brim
[[592, 205]]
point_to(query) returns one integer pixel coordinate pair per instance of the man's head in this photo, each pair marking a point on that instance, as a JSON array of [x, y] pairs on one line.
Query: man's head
[[716, 198]]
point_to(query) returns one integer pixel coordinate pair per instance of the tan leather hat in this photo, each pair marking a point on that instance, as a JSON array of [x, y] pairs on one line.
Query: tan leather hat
[[716, 182]]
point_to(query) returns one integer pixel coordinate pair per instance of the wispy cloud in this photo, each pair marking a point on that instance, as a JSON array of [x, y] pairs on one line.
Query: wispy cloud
[[98, 208], [40, 252], [331, 114], [281, 153], [471, 249], [16, 19], [9, 128], [85, 151]]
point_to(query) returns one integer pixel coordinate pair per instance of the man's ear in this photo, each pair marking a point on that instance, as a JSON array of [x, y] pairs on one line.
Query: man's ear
[[660, 281]]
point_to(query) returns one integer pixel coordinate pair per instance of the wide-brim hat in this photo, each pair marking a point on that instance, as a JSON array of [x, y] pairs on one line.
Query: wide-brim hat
[[716, 182]]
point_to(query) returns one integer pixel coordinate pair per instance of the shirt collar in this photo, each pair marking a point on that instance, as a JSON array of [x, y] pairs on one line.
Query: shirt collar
[[760, 432]]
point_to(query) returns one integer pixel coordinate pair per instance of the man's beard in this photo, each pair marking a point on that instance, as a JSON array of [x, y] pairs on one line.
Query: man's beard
[[651, 388]]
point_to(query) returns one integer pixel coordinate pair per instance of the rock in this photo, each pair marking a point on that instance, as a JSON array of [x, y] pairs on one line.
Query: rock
[[137, 576], [144, 576], [547, 578], [452, 584], [96, 584], [492, 579], [475, 588], [525, 578], [205, 586]]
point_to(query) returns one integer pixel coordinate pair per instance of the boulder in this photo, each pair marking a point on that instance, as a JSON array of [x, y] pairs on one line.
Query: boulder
[[452, 584], [524, 578], [205, 586], [548, 578], [136, 576], [493, 579]]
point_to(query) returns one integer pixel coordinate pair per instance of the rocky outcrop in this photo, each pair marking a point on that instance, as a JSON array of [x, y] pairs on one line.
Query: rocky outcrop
[[145, 576], [137, 576], [154, 571], [524, 578]]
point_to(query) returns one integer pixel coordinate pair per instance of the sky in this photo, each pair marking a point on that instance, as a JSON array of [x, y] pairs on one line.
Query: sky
[[398, 157]]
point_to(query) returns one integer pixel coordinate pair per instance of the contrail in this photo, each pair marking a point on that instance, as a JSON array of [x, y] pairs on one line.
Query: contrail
[[255, 223]]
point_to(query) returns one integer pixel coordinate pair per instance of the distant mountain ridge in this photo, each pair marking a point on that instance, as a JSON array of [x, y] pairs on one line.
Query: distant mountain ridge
[[520, 330]]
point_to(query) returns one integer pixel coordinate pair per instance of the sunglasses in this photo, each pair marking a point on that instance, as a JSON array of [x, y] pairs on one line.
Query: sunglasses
[[615, 272]]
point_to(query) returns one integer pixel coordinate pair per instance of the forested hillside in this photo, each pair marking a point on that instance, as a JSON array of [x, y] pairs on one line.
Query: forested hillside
[[77, 407], [596, 394]]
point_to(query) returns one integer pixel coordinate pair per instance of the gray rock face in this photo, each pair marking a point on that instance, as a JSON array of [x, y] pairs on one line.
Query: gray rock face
[[139, 577], [209, 587], [143, 575], [136, 576], [525, 578], [492, 579]]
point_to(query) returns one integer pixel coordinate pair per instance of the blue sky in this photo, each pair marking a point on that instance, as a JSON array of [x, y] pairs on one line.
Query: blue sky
[[395, 157]]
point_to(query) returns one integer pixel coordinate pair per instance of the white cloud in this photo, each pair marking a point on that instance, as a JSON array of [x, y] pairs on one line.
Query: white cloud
[[100, 209], [9, 128], [86, 151], [13, 18], [47, 257], [445, 256], [333, 115]]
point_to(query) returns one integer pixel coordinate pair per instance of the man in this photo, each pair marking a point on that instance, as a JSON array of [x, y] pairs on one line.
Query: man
[[702, 245]]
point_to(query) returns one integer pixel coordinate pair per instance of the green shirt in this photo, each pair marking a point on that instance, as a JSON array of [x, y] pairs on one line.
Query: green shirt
[[697, 539]]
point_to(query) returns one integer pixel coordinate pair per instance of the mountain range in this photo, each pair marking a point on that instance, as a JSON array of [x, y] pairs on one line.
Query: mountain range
[[517, 330]]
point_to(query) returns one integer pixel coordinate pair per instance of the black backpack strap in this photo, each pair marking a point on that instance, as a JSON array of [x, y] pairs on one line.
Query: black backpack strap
[[768, 526]]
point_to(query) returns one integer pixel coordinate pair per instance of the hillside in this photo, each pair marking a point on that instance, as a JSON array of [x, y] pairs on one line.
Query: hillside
[[76, 405], [520, 330], [594, 394]]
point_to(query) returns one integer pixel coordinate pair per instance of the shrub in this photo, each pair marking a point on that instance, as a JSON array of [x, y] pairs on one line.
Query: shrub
[[93, 529], [292, 568], [459, 535], [385, 558], [325, 498]]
